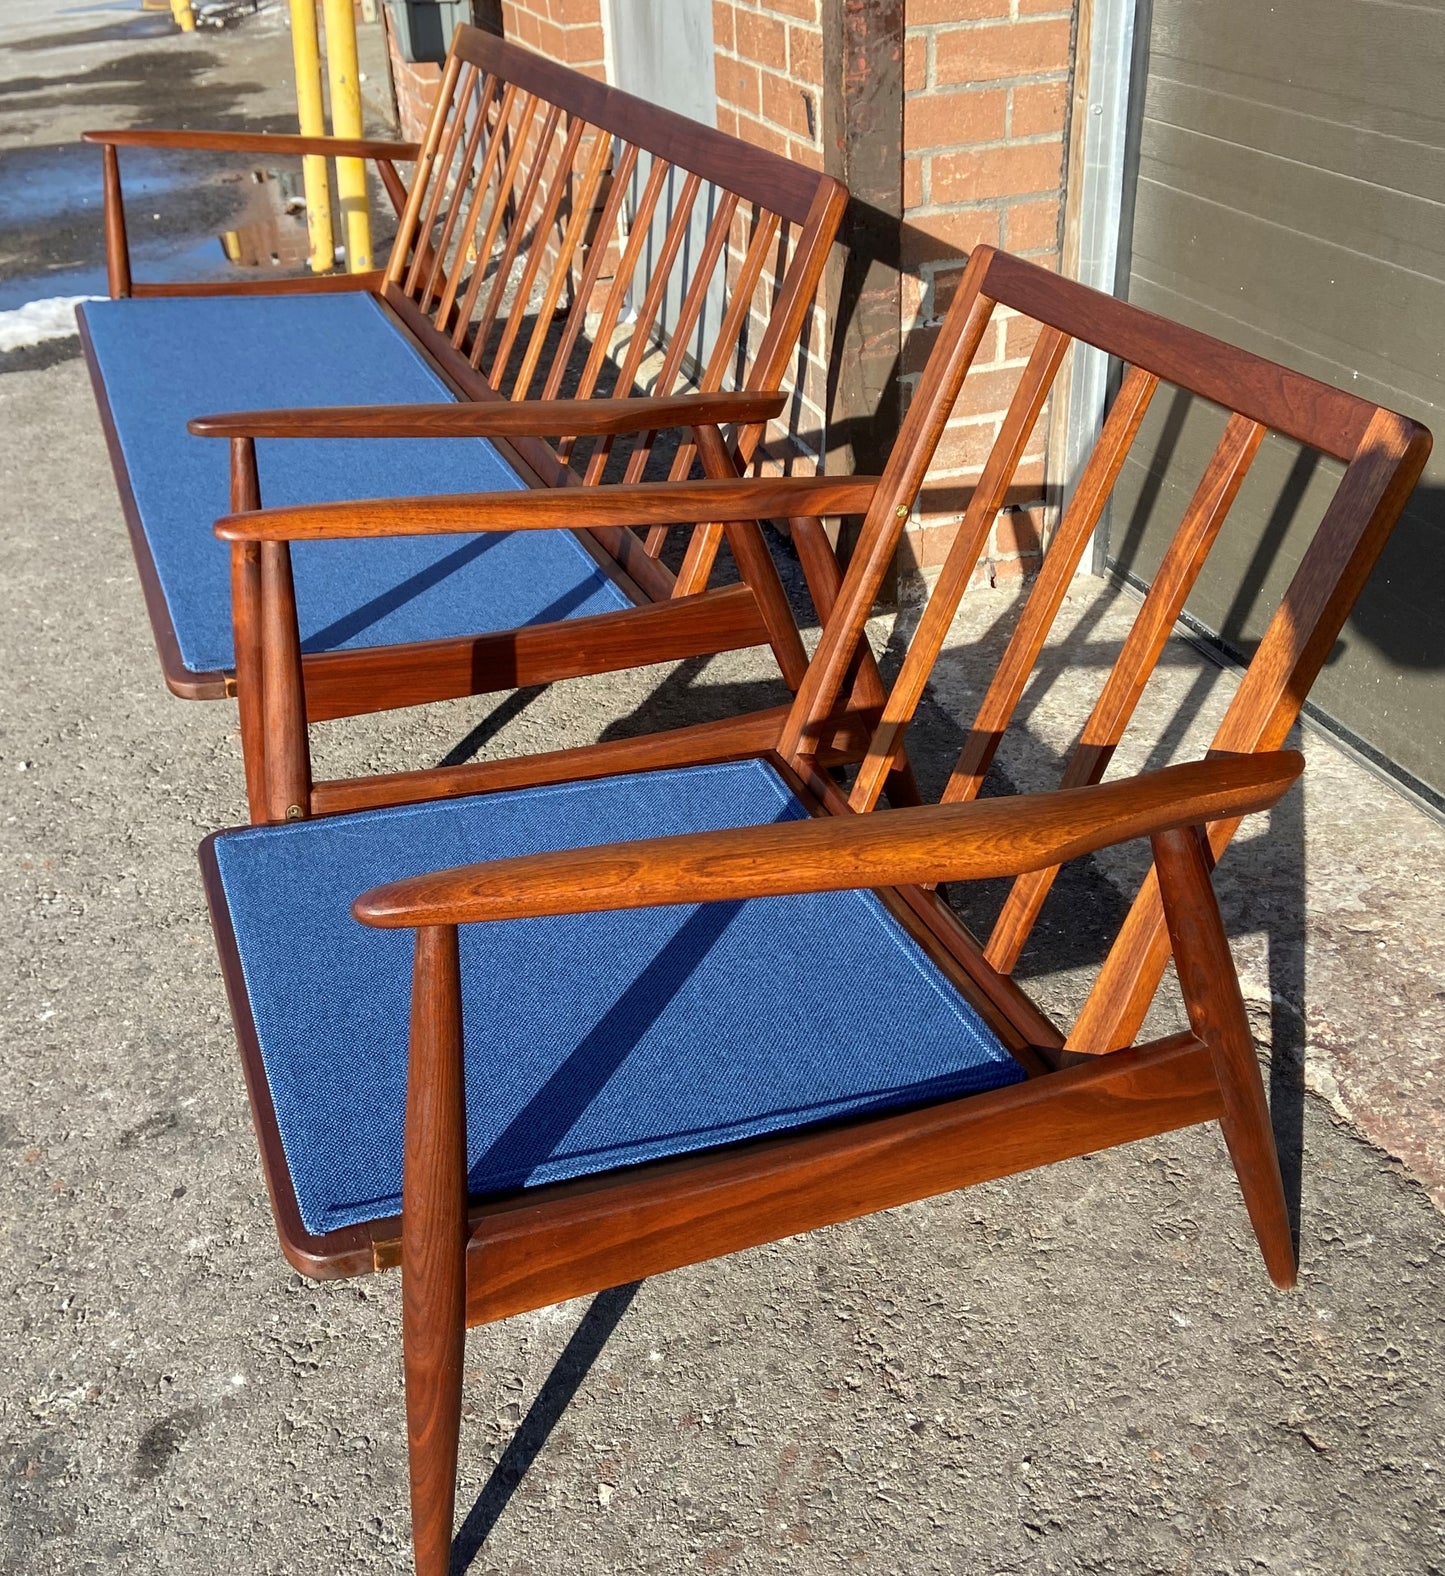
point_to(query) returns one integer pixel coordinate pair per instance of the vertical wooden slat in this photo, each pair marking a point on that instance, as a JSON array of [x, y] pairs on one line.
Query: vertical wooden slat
[[621, 283], [738, 302], [467, 239], [562, 180], [466, 172], [1060, 562], [546, 140], [1218, 487], [440, 173], [958, 341], [988, 498], [652, 300], [596, 260], [562, 265], [1299, 638], [506, 183], [407, 237]]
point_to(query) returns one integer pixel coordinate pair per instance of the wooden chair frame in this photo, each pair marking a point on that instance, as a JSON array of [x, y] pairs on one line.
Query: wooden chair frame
[[521, 182], [467, 1261]]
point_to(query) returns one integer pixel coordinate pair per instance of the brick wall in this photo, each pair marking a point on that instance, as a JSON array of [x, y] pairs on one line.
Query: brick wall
[[567, 31], [986, 86]]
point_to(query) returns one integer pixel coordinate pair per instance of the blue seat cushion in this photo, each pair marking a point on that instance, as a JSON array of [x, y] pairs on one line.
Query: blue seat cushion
[[592, 1041], [164, 361]]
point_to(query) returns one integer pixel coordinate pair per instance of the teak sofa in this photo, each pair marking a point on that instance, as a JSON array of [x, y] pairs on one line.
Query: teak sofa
[[627, 1056], [512, 311]]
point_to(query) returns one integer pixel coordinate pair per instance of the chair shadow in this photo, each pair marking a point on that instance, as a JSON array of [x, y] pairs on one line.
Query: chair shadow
[[565, 1379]]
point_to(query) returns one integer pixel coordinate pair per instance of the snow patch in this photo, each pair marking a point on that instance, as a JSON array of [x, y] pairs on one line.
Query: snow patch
[[37, 321]]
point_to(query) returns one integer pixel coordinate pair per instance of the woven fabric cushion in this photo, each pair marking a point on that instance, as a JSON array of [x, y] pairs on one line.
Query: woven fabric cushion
[[164, 361], [592, 1041]]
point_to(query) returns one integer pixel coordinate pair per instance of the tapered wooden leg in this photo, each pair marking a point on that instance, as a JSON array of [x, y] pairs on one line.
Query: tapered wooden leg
[[1217, 1015], [434, 1237]]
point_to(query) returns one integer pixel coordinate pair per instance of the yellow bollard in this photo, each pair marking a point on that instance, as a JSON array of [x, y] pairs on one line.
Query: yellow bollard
[[345, 79], [311, 118], [185, 17]]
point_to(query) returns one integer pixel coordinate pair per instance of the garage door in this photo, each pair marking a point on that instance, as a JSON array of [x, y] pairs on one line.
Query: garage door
[[1291, 197]]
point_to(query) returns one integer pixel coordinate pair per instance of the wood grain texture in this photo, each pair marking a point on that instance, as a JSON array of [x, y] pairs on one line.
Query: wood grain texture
[[117, 248], [541, 1246], [434, 1241], [961, 842], [279, 143], [536, 418], [376, 678], [1216, 1013], [702, 743], [288, 760], [646, 503]]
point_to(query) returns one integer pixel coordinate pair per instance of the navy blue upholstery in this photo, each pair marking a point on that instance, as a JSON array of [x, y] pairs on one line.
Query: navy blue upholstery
[[592, 1041], [164, 361]]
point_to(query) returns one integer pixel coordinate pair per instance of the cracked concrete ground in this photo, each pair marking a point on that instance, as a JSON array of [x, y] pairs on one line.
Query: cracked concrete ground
[[1079, 1370]]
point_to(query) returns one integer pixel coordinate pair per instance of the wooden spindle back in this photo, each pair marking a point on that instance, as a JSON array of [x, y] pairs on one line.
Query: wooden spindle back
[[1383, 454], [566, 240]]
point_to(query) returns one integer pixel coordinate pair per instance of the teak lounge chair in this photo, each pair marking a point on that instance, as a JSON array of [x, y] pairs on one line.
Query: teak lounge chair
[[766, 1018], [505, 296]]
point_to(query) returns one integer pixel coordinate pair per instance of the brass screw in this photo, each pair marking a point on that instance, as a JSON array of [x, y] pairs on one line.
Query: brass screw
[[902, 511], [294, 812]]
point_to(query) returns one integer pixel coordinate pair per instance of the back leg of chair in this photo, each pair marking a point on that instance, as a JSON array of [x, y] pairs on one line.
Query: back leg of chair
[[1216, 1014]]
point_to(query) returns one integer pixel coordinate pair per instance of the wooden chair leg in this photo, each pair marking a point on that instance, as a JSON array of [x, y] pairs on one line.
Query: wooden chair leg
[[434, 1238], [1216, 1013]]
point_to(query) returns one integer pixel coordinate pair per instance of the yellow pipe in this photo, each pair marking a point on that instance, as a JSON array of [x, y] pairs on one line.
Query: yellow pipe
[[344, 75], [311, 119], [185, 17]]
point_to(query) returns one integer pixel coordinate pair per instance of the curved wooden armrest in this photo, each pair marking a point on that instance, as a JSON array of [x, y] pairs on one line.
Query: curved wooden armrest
[[949, 842], [542, 509], [572, 418], [255, 142]]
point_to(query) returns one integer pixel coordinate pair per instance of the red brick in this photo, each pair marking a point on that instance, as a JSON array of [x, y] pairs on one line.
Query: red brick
[[1039, 109], [975, 175], [1020, 334], [803, 10], [1059, 8], [912, 180], [927, 237], [953, 120], [1012, 49], [929, 13], [915, 64], [1018, 531], [964, 446], [584, 45], [762, 135], [986, 393], [738, 85], [761, 38], [784, 104], [805, 56], [722, 25], [552, 41], [1033, 226]]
